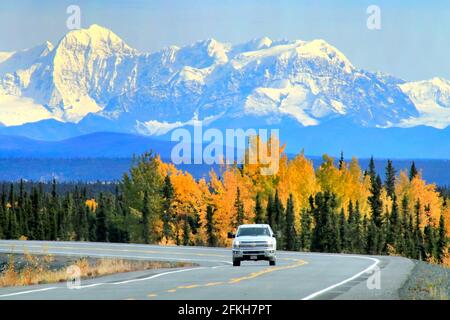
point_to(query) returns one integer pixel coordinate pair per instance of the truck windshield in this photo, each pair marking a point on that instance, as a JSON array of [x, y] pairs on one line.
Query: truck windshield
[[253, 232]]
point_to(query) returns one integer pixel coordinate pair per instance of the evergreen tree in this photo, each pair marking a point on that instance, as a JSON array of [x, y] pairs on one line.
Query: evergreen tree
[[324, 234], [375, 202], [290, 233], [305, 231], [442, 240], [341, 162], [101, 222], [430, 242], [270, 215], [37, 228], [167, 214], [239, 209], [259, 212], [357, 231], [280, 219], [92, 225], [343, 232], [372, 242], [13, 228], [210, 227], [418, 235], [405, 234], [372, 172], [186, 231], [146, 219], [82, 225], [390, 179], [394, 228], [413, 171]]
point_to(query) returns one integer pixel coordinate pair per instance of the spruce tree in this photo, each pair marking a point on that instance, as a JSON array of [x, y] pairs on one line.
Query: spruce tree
[[186, 231], [146, 219], [290, 233], [442, 240], [101, 222], [430, 242], [343, 233], [305, 230], [325, 229], [418, 235], [270, 215], [37, 228], [413, 171], [167, 211], [372, 172], [393, 232], [210, 227], [390, 179], [341, 162], [375, 202], [13, 227], [239, 209], [357, 231], [259, 212], [280, 220]]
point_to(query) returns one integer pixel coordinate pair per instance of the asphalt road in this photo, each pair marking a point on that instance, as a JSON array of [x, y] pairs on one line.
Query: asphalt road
[[296, 276]]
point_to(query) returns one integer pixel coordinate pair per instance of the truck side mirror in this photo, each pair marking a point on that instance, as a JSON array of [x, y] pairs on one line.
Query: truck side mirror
[[231, 235]]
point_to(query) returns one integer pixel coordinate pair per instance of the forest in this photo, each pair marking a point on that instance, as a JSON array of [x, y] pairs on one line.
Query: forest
[[338, 207]]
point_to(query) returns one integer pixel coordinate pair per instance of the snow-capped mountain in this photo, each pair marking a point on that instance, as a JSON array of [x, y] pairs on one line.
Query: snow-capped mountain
[[432, 100], [93, 81]]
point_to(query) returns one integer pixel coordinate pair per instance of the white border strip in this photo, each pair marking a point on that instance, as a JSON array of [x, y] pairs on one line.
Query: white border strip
[[315, 294]]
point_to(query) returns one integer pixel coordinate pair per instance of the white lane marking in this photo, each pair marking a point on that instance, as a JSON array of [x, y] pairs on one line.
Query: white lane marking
[[138, 280], [315, 294], [25, 292], [101, 283]]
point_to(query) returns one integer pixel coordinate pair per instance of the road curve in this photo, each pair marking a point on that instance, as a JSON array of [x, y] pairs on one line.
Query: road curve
[[297, 275]]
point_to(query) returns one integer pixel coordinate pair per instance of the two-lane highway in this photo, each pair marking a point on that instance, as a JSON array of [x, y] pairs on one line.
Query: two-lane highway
[[296, 276]]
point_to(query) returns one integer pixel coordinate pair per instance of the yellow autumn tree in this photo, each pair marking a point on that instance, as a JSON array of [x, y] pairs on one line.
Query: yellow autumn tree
[[418, 189], [297, 177]]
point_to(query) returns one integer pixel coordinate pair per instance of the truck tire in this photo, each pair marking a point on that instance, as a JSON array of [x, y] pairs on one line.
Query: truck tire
[[272, 262], [236, 263]]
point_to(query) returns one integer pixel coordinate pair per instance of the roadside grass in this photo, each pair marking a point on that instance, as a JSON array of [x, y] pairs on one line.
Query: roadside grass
[[36, 269], [427, 282]]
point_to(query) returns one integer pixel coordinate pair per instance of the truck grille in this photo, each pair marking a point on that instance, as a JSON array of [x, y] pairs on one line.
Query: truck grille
[[253, 244]]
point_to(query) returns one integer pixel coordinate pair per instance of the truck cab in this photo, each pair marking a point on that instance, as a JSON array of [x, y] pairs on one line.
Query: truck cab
[[253, 242]]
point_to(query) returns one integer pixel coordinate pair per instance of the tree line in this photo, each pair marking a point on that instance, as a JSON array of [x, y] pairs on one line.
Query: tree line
[[331, 209]]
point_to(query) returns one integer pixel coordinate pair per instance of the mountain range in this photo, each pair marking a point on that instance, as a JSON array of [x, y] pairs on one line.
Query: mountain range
[[92, 81]]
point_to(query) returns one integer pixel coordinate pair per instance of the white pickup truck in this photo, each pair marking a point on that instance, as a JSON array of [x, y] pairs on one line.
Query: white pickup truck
[[254, 242]]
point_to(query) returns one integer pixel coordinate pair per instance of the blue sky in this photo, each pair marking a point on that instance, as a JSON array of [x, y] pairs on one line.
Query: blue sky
[[413, 43]]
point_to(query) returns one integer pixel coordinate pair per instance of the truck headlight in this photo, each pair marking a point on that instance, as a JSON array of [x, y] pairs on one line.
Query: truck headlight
[[236, 244]]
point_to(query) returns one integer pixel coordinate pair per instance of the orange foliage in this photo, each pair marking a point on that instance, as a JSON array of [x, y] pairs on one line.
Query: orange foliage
[[91, 204]]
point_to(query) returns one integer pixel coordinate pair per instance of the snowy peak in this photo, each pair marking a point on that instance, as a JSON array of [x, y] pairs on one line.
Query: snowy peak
[[432, 100], [11, 62], [100, 41], [203, 54]]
